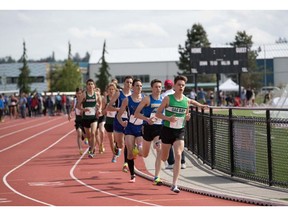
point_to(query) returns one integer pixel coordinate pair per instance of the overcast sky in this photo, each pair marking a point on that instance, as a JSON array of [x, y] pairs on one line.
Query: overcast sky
[[45, 31]]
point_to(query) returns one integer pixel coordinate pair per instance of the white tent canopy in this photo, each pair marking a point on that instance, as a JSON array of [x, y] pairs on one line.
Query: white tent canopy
[[229, 85]]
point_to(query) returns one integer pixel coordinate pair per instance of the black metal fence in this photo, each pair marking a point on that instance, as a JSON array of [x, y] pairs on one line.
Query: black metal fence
[[250, 143]]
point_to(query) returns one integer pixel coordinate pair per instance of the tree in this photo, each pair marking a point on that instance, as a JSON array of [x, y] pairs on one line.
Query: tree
[[253, 78], [104, 75], [196, 37], [66, 77], [24, 80], [86, 58]]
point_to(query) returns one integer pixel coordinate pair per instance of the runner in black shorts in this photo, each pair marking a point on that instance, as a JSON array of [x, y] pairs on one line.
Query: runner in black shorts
[[176, 107], [146, 111]]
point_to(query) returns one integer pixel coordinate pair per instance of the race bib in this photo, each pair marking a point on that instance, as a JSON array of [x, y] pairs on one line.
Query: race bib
[[135, 121], [111, 114], [77, 111], [178, 124], [124, 115], [91, 112], [157, 121]]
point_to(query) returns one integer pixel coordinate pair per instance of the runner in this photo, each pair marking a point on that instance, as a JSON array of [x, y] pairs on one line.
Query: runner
[[132, 125], [110, 115], [78, 121], [173, 131], [152, 125], [91, 105], [118, 129]]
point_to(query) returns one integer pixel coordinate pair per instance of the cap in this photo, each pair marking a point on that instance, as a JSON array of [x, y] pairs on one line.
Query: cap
[[168, 83]]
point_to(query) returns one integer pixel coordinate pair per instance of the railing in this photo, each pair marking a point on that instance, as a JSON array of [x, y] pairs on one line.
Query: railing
[[250, 143]]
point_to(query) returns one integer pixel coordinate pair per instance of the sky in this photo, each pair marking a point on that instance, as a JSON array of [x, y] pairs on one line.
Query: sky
[[49, 27]]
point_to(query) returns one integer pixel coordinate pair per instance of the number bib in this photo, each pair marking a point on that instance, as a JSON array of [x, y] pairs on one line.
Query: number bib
[[178, 124]]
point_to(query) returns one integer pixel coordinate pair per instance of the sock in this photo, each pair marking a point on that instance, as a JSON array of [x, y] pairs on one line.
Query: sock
[[131, 166]]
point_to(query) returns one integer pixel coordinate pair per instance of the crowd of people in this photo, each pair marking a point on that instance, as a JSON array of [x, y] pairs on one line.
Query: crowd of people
[[34, 105], [133, 121]]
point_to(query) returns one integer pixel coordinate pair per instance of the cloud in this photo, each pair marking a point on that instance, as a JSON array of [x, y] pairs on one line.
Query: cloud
[[144, 29], [89, 32]]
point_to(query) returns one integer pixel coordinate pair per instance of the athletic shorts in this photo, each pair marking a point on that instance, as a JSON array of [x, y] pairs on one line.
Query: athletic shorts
[[108, 127], [117, 127], [170, 135], [79, 124], [101, 119], [150, 131], [87, 122], [134, 130]]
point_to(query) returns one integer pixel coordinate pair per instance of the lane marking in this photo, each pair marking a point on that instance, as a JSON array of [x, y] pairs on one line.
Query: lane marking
[[24, 122], [49, 184], [99, 190], [4, 200], [22, 164], [26, 128], [9, 147]]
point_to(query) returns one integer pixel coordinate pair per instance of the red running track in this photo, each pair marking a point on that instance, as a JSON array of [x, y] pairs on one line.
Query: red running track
[[41, 166]]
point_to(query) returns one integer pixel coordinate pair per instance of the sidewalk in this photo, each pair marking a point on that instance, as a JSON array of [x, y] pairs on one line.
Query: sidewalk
[[199, 178]]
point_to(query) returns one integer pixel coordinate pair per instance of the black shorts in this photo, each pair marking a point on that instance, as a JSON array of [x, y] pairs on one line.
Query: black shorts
[[108, 127], [150, 131], [79, 124], [170, 135], [87, 122]]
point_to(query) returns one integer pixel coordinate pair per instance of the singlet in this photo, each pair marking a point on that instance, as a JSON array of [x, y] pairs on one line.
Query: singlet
[[77, 111], [131, 108], [110, 114], [177, 108], [119, 103], [151, 110], [90, 103]]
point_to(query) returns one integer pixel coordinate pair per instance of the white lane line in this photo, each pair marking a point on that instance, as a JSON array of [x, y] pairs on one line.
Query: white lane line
[[11, 171], [16, 123], [26, 128], [99, 190], [45, 184], [9, 147], [4, 200]]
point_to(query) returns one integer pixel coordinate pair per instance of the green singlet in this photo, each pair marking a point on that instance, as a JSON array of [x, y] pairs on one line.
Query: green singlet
[[177, 108]]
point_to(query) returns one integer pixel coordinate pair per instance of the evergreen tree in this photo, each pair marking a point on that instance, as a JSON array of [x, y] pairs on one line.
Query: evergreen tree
[[24, 80], [66, 77], [253, 78], [196, 37], [104, 75]]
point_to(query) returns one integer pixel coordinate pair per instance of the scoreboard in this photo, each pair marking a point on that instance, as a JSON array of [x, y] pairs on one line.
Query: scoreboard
[[218, 60]]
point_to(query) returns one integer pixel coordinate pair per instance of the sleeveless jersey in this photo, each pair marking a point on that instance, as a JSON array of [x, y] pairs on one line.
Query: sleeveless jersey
[[177, 108], [90, 103], [110, 114], [77, 111], [132, 106], [119, 103], [151, 110]]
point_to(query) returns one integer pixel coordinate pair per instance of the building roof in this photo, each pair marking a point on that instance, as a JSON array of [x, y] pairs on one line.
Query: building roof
[[136, 55], [267, 51], [270, 51]]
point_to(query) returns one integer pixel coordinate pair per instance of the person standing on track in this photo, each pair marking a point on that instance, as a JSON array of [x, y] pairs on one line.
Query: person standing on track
[[91, 105], [78, 120], [133, 126], [152, 125], [100, 127], [172, 133], [110, 116], [118, 129]]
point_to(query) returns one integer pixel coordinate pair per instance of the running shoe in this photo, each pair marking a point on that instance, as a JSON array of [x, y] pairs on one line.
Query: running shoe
[[81, 152], [135, 152], [86, 142], [114, 159], [118, 152], [125, 167], [175, 189], [157, 181], [133, 179]]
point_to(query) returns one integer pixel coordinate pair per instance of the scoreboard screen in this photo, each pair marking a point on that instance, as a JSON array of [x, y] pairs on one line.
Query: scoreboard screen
[[219, 60]]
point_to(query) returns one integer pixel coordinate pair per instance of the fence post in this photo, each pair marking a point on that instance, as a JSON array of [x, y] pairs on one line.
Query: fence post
[[269, 150], [203, 136], [197, 132], [212, 138], [231, 143]]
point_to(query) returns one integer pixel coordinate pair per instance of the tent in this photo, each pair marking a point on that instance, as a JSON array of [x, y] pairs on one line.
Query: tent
[[229, 85]]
